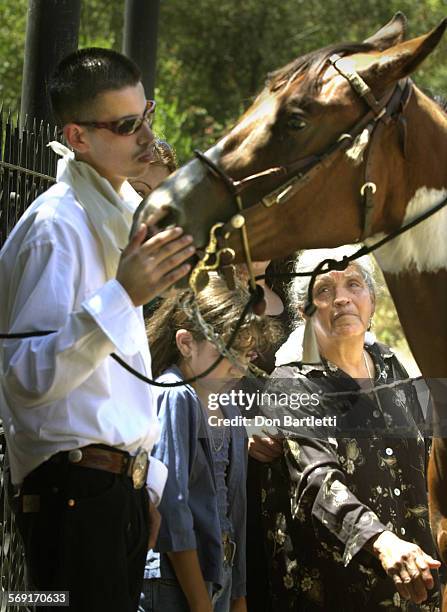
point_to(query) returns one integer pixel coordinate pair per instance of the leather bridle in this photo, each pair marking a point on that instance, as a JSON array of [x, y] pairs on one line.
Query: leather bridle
[[300, 172]]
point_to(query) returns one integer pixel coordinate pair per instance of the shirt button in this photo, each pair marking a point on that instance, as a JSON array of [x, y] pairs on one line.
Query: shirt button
[[397, 492], [376, 414], [389, 451], [402, 530]]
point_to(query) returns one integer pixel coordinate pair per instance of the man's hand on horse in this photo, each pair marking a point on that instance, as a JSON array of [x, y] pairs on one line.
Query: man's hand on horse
[[407, 564], [148, 267]]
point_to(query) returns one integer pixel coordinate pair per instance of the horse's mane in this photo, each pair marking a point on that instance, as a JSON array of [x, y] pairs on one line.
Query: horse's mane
[[311, 65]]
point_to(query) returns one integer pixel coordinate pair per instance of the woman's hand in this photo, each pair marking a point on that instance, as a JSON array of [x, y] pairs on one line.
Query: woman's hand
[[264, 449], [407, 564], [238, 605]]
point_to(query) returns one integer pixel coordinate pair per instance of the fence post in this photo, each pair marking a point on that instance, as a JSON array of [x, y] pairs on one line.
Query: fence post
[[140, 38], [51, 33]]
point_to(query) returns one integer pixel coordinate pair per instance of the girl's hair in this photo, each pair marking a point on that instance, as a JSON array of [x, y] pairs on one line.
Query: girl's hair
[[220, 308], [165, 155]]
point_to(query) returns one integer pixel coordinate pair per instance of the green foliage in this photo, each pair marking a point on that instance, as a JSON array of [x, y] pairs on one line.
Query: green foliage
[[178, 125], [216, 55], [12, 44], [102, 24], [386, 324]]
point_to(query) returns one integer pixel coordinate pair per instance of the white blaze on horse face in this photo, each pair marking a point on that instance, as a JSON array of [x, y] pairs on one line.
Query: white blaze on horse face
[[331, 84], [423, 248], [254, 127]]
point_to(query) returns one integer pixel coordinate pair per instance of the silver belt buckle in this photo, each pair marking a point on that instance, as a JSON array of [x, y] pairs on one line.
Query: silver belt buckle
[[233, 553], [229, 550], [139, 468]]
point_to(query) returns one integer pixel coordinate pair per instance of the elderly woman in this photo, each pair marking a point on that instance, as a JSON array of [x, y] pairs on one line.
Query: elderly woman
[[346, 505]]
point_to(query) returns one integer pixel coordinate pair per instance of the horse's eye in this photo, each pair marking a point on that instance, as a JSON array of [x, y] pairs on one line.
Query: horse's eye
[[295, 122]]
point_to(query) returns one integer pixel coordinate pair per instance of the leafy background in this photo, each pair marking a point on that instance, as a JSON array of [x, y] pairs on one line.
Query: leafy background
[[213, 57]]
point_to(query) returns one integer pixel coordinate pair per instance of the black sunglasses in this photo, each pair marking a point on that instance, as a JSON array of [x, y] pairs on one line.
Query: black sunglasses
[[127, 125]]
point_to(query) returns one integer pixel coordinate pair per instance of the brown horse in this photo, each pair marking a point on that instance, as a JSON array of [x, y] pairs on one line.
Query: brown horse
[[339, 147]]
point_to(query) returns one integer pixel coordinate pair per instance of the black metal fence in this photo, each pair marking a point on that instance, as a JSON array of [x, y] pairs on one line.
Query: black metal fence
[[27, 168]]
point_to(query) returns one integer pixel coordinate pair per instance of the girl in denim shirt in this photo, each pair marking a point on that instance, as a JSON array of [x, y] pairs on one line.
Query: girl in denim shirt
[[200, 560]]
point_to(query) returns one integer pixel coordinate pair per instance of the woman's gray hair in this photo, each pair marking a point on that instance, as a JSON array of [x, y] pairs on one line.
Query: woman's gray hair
[[308, 260]]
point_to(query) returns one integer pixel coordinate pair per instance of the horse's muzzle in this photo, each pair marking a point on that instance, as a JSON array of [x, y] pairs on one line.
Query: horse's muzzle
[[192, 198]]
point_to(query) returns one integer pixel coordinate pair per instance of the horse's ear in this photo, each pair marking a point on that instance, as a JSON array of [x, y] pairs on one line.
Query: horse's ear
[[392, 33], [400, 60]]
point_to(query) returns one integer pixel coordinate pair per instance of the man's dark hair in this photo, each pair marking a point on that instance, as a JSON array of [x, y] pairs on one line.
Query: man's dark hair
[[83, 75]]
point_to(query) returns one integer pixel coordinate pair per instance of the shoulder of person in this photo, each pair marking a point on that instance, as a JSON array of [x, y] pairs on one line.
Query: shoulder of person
[[298, 370], [385, 351], [182, 396], [390, 357]]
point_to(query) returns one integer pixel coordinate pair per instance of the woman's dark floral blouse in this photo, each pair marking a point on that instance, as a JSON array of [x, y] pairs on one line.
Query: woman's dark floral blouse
[[333, 491]]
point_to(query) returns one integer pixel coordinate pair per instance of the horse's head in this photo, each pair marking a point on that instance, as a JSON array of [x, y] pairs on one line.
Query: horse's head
[[299, 157]]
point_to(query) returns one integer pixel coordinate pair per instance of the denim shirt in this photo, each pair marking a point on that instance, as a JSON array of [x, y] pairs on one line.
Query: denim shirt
[[190, 515]]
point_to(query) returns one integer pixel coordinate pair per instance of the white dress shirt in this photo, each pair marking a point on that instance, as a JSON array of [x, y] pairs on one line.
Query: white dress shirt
[[64, 391]]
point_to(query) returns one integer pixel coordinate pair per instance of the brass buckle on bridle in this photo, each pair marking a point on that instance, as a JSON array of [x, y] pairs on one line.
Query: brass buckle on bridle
[[212, 260]]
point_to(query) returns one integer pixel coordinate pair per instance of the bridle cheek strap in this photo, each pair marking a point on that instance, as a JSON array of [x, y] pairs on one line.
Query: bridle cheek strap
[[381, 113], [384, 114]]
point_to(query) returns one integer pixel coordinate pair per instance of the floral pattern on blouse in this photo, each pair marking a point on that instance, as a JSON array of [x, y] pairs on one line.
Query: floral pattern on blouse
[[328, 495]]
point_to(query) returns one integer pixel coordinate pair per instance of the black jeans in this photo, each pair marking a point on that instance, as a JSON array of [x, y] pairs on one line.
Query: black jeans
[[88, 536]]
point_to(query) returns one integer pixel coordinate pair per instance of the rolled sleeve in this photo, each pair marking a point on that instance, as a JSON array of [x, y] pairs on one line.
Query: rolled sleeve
[[114, 312], [321, 495], [339, 510], [321, 488]]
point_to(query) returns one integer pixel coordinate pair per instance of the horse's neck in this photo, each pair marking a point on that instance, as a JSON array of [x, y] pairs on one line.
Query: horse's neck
[[414, 183], [421, 303], [415, 264], [426, 161]]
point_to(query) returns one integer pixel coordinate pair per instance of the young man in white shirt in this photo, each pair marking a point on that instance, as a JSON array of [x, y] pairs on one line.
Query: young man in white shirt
[[75, 420]]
